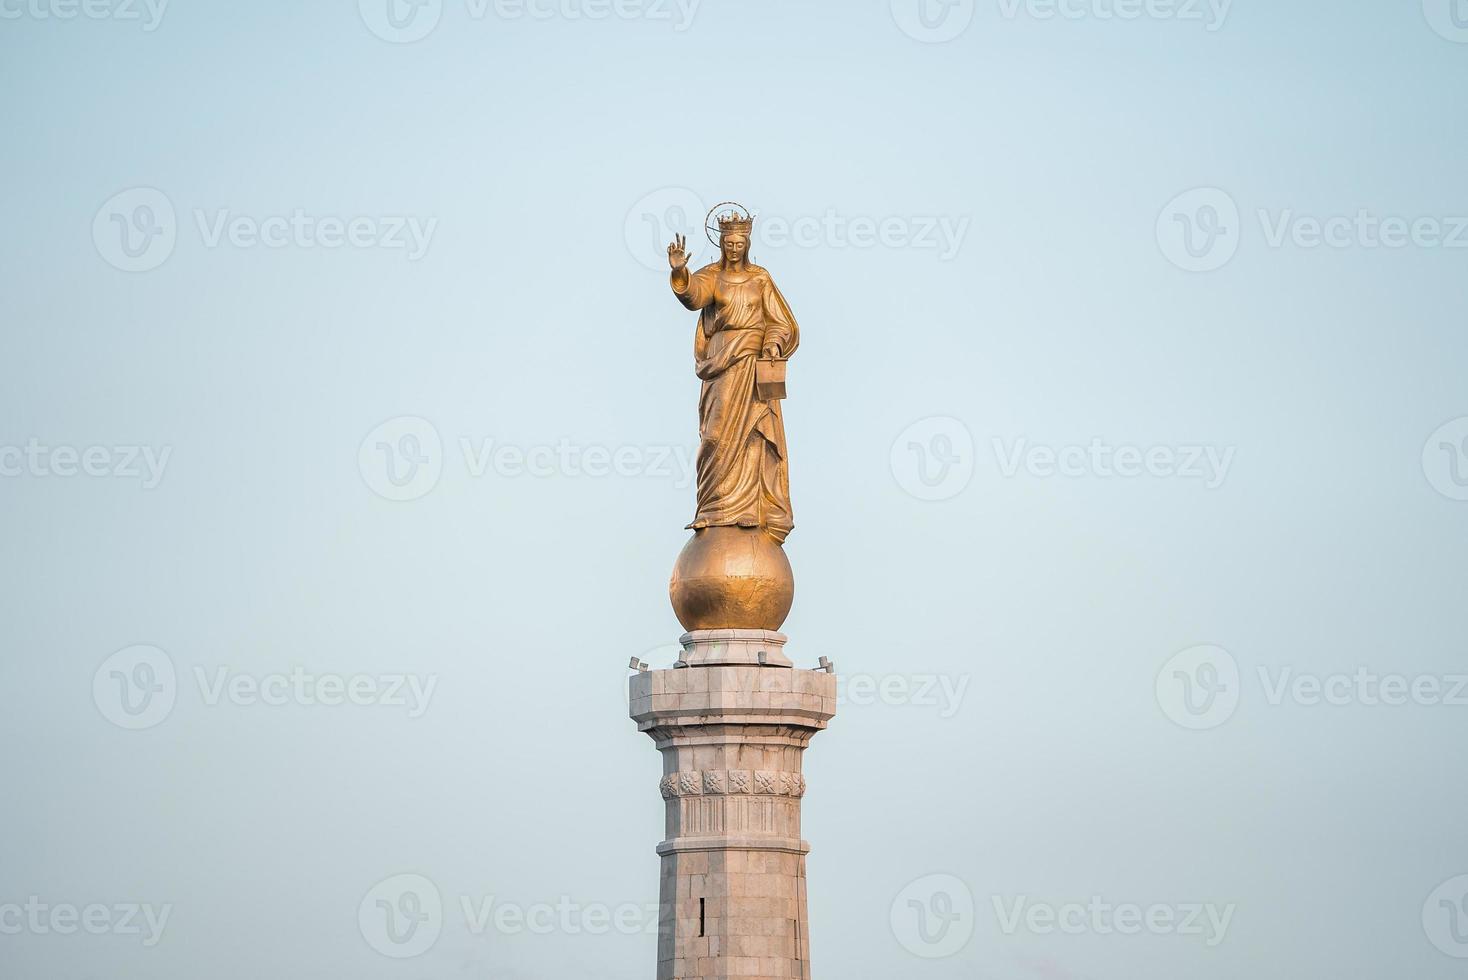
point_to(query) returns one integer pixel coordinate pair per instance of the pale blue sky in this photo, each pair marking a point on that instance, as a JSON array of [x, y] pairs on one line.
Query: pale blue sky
[[536, 157]]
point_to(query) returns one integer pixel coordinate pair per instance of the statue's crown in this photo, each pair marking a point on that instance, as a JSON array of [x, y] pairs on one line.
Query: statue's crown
[[728, 218], [731, 222]]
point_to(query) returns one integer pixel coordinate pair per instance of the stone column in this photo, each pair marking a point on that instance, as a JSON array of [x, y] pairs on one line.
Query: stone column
[[732, 720]]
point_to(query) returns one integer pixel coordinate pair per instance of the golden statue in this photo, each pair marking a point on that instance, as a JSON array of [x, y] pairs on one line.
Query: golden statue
[[734, 573]]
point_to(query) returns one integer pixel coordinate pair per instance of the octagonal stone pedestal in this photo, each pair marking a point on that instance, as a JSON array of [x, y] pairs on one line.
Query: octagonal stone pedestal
[[732, 726]]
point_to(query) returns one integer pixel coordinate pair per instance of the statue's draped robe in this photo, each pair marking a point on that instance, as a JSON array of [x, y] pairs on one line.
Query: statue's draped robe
[[743, 471]]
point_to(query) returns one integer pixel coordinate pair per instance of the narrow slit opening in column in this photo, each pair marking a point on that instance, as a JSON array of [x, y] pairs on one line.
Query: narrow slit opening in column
[[700, 917]]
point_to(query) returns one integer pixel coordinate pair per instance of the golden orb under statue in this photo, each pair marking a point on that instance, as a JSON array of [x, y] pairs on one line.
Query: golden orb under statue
[[732, 578]]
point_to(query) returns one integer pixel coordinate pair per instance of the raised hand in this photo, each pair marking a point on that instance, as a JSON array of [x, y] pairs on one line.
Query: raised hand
[[678, 253]]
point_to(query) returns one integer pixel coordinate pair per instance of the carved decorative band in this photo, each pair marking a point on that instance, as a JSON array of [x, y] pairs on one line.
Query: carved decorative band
[[727, 782]]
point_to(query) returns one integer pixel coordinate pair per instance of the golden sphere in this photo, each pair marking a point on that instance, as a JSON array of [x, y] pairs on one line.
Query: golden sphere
[[732, 578]]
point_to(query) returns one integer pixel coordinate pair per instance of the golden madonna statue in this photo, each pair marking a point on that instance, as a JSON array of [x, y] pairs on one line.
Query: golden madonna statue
[[734, 574]]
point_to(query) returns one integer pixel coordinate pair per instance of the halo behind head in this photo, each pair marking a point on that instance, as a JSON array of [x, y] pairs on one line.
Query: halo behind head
[[726, 218]]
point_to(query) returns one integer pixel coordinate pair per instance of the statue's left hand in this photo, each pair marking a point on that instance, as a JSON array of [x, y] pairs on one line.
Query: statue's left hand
[[771, 352]]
